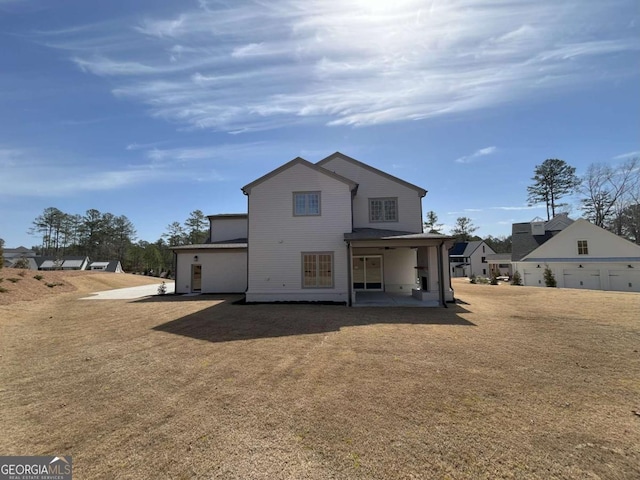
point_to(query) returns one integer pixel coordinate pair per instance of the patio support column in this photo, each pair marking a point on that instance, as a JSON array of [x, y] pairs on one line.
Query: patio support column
[[441, 276]]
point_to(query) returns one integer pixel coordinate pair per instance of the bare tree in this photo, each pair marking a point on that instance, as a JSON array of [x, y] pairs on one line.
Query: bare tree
[[607, 190]]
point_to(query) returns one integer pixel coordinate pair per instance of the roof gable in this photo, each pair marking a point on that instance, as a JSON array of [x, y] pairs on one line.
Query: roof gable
[[601, 243], [421, 191], [523, 241], [298, 161]]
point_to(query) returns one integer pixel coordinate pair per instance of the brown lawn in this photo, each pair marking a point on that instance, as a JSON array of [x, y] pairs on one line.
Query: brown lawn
[[515, 382]]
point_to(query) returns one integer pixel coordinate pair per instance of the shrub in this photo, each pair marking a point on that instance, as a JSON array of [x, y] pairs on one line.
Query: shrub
[[3, 290], [13, 280], [38, 277], [22, 273], [473, 279], [22, 263], [482, 280], [516, 279], [549, 277], [51, 285], [162, 288], [494, 278]]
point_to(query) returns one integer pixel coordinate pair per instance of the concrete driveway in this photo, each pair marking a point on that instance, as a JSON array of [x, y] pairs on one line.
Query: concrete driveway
[[130, 293]]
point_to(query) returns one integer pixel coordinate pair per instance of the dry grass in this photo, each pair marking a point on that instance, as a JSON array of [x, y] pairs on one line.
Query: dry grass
[[517, 382], [37, 285]]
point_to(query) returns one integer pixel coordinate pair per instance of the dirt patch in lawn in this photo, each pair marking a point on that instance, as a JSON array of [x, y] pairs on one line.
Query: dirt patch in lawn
[[517, 382], [18, 285]]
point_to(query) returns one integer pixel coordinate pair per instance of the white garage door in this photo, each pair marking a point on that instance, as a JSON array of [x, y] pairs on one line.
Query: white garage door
[[533, 278], [624, 280], [582, 278]]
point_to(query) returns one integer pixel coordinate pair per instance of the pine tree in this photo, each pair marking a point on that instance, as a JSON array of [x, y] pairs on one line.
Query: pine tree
[[553, 180]]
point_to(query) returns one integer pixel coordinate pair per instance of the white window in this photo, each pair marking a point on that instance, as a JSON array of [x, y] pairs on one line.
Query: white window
[[383, 209], [583, 248], [317, 270], [306, 203]]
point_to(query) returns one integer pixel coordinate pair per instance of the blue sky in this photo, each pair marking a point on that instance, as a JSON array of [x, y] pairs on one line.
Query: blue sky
[[152, 109]]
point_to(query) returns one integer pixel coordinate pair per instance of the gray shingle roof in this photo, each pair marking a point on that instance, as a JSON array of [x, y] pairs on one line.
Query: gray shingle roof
[[379, 234], [523, 242]]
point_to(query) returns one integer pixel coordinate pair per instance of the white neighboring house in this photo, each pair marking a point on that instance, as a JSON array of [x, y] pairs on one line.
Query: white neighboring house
[[113, 266], [322, 232], [470, 258], [583, 255]]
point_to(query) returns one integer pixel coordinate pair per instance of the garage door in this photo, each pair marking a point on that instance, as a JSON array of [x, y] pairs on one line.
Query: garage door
[[582, 278], [533, 278], [624, 280]]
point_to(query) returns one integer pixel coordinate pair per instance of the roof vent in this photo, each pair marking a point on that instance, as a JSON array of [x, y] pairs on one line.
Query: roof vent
[[537, 228]]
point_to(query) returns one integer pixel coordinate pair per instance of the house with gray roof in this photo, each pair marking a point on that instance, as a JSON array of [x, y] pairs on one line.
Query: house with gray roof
[[338, 230], [578, 253], [470, 258]]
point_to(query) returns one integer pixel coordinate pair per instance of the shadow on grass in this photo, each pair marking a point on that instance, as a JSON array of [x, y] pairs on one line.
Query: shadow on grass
[[226, 321]]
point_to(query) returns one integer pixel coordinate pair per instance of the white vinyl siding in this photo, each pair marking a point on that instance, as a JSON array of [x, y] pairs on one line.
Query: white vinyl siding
[[228, 228], [223, 270], [383, 210], [372, 185], [317, 270], [277, 239], [306, 203]]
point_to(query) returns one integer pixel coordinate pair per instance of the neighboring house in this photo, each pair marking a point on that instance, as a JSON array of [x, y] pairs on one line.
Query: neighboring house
[[500, 263], [470, 258], [321, 232], [113, 266], [12, 255], [62, 263], [580, 255]]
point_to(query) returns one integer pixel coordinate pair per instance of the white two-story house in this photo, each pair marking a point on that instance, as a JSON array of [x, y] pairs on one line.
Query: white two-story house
[[330, 231]]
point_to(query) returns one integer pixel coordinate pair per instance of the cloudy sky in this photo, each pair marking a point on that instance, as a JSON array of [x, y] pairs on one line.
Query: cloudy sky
[[152, 109]]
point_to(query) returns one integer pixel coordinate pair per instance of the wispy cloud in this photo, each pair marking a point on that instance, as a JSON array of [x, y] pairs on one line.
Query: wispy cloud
[[31, 173], [252, 65], [624, 156], [477, 154], [519, 207]]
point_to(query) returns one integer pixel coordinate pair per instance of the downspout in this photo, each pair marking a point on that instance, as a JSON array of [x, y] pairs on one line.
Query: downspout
[[349, 284], [441, 275]]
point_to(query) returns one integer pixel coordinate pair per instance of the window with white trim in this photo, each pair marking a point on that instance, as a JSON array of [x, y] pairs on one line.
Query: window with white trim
[[317, 270], [306, 203], [383, 210], [583, 247]]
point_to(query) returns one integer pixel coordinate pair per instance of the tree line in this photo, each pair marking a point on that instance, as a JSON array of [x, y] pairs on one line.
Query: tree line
[[105, 236]]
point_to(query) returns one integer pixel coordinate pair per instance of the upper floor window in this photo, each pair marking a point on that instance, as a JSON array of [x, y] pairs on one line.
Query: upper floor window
[[583, 248], [484, 259], [306, 203], [383, 209]]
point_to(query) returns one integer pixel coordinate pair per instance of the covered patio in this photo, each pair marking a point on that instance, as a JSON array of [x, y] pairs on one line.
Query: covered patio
[[395, 268], [384, 299]]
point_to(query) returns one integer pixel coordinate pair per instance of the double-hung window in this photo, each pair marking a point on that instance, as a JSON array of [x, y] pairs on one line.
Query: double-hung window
[[317, 270], [583, 248], [306, 203], [383, 209]]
